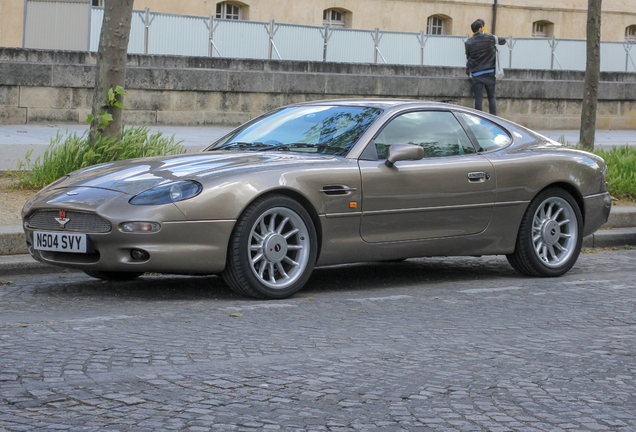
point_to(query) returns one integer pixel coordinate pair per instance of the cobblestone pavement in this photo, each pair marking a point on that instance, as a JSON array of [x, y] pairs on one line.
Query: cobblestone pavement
[[460, 344]]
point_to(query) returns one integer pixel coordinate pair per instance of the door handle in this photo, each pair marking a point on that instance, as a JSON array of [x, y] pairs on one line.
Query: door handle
[[478, 176]]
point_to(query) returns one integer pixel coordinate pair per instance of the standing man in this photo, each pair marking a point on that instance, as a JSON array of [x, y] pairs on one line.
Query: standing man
[[480, 64]]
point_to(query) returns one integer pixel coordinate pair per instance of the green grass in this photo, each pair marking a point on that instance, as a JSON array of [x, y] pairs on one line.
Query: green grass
[[73, 152], [621, 171]]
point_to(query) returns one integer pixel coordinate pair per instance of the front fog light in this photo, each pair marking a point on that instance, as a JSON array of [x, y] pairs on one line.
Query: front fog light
[[139, 227], [139, 255]]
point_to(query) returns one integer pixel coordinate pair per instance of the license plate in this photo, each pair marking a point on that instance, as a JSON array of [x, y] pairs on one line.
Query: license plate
[[59, 241]]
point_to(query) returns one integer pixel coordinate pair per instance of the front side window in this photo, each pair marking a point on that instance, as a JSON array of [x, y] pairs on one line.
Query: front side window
[[630, 33], [438, 132], [333, 18], [435, 25], [227, 10], [488, 135]]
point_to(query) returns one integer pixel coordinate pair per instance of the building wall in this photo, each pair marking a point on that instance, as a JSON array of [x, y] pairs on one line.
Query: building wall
[[11, 22], [38, 86], [514, 17]]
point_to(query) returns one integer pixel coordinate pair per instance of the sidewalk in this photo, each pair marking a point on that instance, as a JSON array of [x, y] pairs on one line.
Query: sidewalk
[[17, 140]]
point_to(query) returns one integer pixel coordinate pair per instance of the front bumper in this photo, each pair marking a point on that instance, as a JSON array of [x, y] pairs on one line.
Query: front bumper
[[183, 247]]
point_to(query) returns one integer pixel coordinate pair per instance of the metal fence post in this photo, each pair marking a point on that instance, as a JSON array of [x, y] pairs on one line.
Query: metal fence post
[[376, 41], [146, 30], [422, 40], [552, 49], [272, 46], [326, 37], [511, 46], [271, 40], [211, 37]]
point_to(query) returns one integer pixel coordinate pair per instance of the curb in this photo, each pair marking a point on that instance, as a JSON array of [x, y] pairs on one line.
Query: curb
[[12, 241], [614, 237]]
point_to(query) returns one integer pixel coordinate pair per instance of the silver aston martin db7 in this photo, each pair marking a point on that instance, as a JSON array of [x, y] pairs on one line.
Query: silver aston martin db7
[[325, 183]]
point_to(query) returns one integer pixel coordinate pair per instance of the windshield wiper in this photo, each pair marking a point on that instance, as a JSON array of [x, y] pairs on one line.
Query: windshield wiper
[[233, 144], [287, 147], [256, 146]]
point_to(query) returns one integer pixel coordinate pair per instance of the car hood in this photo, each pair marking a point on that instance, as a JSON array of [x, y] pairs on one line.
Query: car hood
[[137, 175]]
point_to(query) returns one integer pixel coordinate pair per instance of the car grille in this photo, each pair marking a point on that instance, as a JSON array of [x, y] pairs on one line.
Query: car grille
[[77, 221]]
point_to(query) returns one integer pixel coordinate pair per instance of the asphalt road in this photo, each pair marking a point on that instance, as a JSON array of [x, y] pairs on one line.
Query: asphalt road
[[460, 344]]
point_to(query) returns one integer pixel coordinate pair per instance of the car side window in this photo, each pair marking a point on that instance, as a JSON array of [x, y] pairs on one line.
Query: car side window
[[489, 135], [437, 132]]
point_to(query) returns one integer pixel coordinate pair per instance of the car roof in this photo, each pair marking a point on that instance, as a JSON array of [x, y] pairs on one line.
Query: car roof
[[377, 103]]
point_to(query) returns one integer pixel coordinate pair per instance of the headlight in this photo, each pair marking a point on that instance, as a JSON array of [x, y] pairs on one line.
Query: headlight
[[168, 193]]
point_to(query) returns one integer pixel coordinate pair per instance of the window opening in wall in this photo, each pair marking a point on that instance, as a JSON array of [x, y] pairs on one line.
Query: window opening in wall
[[227, 10], [333, 18], [630, 33], [435, 25], [540, 29], [97, 2]]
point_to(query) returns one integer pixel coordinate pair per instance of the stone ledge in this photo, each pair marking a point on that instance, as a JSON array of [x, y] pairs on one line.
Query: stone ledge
[[12, 241]]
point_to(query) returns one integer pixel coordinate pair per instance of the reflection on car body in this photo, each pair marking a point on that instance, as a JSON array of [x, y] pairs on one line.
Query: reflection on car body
[[329, 182]]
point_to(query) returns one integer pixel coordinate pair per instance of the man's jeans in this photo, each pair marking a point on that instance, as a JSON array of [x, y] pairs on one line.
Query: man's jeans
[[489, 81]]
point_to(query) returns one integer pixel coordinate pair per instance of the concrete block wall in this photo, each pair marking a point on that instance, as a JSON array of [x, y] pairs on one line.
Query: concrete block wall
[[40, 86]]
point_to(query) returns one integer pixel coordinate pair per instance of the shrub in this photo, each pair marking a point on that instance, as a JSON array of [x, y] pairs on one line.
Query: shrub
[[621, 171], [65, 155]]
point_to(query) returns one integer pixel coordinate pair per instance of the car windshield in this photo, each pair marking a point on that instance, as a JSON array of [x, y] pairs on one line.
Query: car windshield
[[319, 129]]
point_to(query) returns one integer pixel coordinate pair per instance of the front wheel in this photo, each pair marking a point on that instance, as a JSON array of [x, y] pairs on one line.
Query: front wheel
[[550, 235], [273, 249]]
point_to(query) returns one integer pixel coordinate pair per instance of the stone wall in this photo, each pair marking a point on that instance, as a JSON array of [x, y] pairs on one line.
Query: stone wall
[[39, 86]]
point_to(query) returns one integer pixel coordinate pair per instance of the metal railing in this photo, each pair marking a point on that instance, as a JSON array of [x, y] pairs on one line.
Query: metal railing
[[169, 34]]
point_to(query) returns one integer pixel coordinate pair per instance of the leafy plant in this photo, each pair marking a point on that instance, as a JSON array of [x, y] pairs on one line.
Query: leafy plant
[[65, 155], [104, 118]]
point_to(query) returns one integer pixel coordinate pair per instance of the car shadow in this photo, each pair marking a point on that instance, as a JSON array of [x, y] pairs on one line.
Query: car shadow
[[382, 275], [371, 276]]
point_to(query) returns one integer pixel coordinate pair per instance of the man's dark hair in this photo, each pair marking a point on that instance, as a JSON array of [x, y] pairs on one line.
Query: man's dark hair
[[476, 26]]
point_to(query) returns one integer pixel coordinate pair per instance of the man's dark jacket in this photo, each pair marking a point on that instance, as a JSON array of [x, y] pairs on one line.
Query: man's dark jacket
[[480, 52]]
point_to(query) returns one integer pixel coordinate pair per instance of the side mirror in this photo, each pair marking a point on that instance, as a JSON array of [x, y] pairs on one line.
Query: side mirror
[[398, 152]]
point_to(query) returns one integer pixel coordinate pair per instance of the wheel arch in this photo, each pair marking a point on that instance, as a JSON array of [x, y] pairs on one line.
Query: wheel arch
[[303, 201], [573, 191]]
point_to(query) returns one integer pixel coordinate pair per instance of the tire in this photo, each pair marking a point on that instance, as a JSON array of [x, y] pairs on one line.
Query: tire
[[550, 235], [273, 249], [113, 275]]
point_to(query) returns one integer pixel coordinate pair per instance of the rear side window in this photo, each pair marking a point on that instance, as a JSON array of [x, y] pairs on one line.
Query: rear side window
[[489, 135]]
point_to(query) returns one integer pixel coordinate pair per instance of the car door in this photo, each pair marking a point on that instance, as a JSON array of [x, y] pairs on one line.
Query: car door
[[450, 192]]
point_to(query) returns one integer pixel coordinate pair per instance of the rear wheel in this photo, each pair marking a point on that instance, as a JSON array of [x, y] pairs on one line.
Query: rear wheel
[[273, 249], [550, 235], [113, 275]]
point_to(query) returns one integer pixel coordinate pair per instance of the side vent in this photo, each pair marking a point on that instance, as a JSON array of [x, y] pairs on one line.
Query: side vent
[[337, 190]]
